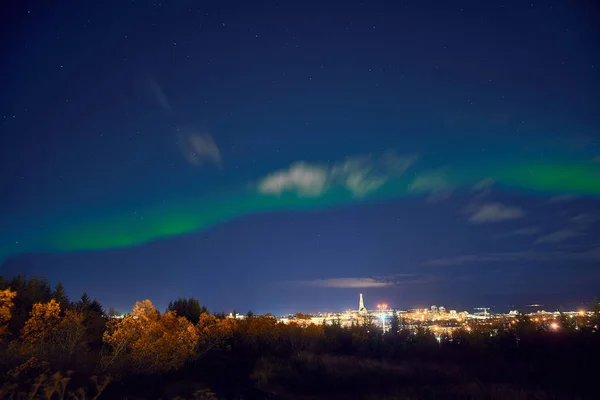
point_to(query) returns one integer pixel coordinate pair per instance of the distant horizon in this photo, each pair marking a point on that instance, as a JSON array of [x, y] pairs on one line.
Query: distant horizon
[[279, 158]]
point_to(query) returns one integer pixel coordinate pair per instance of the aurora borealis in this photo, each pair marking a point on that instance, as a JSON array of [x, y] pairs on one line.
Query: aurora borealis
[[130, 229], [196, 143]]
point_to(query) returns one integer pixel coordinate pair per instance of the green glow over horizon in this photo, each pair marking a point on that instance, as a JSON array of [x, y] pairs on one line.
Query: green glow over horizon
[[118, 230]]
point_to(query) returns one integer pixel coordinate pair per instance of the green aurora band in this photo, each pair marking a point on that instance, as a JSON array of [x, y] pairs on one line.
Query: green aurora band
[[128, 229]]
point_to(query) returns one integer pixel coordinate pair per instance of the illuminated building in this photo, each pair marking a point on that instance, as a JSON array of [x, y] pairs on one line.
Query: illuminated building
[[361, 305]]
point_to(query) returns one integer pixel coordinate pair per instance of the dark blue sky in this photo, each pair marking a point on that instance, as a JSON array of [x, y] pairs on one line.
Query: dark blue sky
[[283, 157]]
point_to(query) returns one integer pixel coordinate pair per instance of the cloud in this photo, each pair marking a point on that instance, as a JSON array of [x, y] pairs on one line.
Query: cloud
[[198, 148], [559, 236], [592, 254], [583, 219], [372, 282], [360, 175], [528, 231], [433, 182], [305, 179], [532, 230], [157, 93], [470, 258], [483, 184], [563, 198], [349, 283], [493, 212], [429, 182]]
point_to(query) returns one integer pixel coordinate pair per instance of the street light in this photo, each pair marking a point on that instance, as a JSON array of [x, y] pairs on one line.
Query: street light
[[382, 308]]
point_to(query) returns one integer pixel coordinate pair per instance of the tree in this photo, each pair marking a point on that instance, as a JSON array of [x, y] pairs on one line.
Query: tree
[[96, 307], [6, 305], [394, 323], [84, 302], [60, 296], [250, 314], [596, 313], [29, 292], [213, 332], [113, 312], [40, 328], [151, 342], [69, 334], [188, 308]]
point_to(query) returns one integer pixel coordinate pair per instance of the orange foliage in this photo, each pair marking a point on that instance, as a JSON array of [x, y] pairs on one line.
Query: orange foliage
[[213, 332], [69, 333], [260, 332], [153, 342], [6, 306], [42, 322]]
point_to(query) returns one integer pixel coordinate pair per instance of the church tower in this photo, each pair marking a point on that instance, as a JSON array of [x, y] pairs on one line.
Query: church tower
[[361, 305]]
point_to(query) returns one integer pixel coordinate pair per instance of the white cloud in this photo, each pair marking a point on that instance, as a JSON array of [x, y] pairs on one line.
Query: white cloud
[[559, 236], [350, 283], [198, 148], [429, 182], [433, 182], [592, 254], [493, 212], [305, 179], [360, 175]]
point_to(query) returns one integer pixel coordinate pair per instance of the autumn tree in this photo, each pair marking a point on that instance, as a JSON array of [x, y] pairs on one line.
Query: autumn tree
[[150, 342], [68, 337], [40, 327], [213, 332], [29, 292], [6, 305]]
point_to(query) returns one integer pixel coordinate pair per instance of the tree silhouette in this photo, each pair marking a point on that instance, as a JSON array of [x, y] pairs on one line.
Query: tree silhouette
[[187, 308], [59, 294], [84, 301], [596, 313], [29, 292], [113, 312], [302, 316], [394, 323]]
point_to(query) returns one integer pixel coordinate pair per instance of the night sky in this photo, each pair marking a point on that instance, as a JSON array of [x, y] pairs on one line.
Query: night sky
[[285, 156]]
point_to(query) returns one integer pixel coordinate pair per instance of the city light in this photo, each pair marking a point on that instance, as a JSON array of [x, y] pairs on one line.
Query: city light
[[382, 308], [438, 319]]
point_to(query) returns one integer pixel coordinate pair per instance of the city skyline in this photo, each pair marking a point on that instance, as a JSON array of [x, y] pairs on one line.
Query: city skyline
[[282, 158]]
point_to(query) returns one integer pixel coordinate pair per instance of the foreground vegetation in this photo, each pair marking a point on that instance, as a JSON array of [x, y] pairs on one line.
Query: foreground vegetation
[[54, 348]]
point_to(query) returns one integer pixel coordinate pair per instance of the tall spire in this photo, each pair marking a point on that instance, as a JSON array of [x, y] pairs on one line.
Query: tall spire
[[361, 305]]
